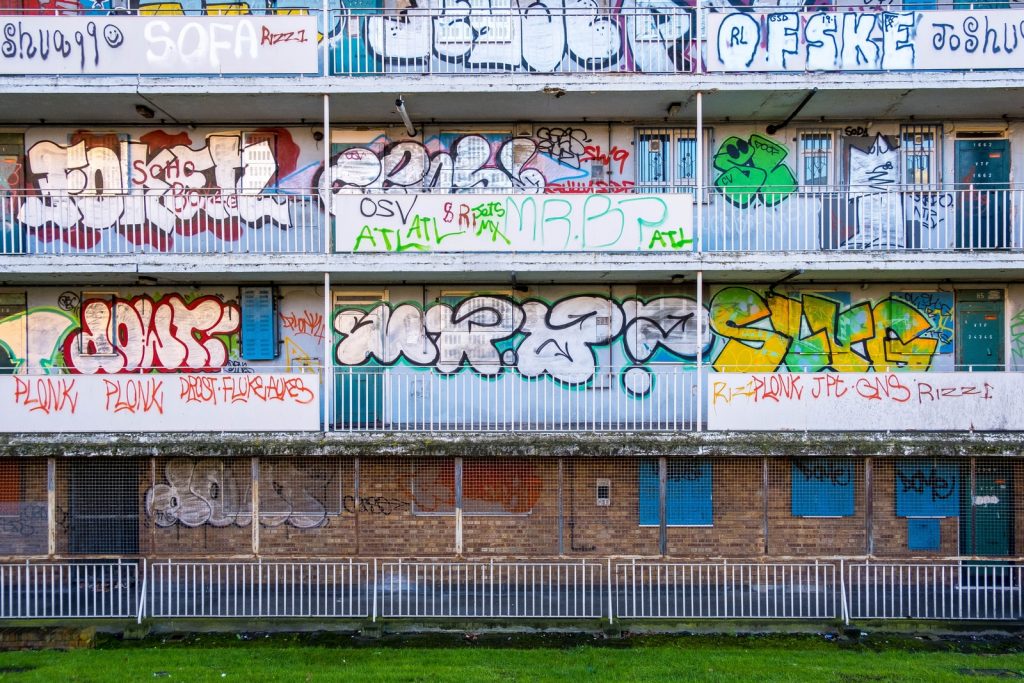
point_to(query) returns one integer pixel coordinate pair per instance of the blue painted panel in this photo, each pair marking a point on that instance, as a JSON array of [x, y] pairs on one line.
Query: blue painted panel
[[259, 324], [927, 490], [923, 534], [649, 493], [822, 487], [689, 493], [687, 489]]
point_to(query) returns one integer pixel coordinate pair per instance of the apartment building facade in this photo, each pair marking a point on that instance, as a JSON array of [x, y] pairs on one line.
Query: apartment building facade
[[715, 299]]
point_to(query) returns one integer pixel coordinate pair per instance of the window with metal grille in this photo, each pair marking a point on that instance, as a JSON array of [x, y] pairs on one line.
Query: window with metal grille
[[488, 315], [921, 154], [687, 493], [101, 332], [98, 504], [259, 159], [105, 155], [666, 158], [12, 160], [822, 487], [23, 514], [816, 154]]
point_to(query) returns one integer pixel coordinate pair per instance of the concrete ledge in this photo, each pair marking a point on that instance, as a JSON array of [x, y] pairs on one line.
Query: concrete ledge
[[521, 444]]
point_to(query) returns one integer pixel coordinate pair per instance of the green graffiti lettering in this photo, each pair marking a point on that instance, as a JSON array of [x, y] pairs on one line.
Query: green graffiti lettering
[[365, 234], [753, 169]]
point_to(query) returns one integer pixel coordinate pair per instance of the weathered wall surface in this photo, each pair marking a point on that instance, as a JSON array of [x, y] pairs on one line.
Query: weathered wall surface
[[231, 189]]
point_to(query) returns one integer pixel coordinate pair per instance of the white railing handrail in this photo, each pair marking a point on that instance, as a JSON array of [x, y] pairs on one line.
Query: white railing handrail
[[515, 587]]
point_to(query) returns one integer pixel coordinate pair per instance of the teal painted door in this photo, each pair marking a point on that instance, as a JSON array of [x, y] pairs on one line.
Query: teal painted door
[[979, 334], [983, 200], [359, 396], [359, 389], [986, 521]]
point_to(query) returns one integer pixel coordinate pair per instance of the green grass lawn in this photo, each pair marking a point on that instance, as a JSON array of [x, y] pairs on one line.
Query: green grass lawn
[[723, 658]]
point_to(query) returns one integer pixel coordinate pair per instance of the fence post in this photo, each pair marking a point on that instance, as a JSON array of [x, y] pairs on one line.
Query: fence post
[[142, 592], [611, 597], [842, 592], [375, 591]]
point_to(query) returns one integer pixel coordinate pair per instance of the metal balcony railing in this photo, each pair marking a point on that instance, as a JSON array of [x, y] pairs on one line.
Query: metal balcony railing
[[860, 217], [403, 398], [467, 39], [173, 220], [732, 218]]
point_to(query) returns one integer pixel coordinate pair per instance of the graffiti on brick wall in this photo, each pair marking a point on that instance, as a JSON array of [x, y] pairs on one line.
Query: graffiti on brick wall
[[178, 188], [493, 334], [195, 492], [810, 333], [198, 492], [541, 36], [487, 488], [753, 170], [166, 334], [552, 159]]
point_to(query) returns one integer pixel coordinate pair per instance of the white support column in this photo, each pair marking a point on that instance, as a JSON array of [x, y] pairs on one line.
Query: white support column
[[51, 506], [698, 199], [700, 350], [662, 506], [328, 354], [698, 32], [255, 476], [698, 202], [458, 507], [325, 23], [325, 179]]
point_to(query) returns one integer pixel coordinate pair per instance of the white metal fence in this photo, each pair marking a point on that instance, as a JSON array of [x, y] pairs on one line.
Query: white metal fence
[[190, 221], [538, 38], [889, 217], [257, 589], [570, 590], [403, 398], [727, 590], [952, 590], [87, 589], [746, 218]]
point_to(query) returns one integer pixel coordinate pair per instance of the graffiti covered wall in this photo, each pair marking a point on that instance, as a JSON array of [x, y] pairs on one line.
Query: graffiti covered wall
[[573, 337], [88, 361], [575, 35], [536, 187], [864, 40], [82, 332]]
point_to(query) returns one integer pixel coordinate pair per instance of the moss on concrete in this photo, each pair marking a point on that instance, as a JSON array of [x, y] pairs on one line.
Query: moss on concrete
[[533, 445]]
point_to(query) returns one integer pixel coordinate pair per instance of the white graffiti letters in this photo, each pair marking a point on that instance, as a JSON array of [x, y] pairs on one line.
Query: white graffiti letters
[[559, 339], [540, 36], [122, 335], [492, 334], [199, 492], [83, 186]]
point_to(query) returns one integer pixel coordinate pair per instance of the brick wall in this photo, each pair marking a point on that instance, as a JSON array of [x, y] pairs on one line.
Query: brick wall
[[802, 536], [311, 507]]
